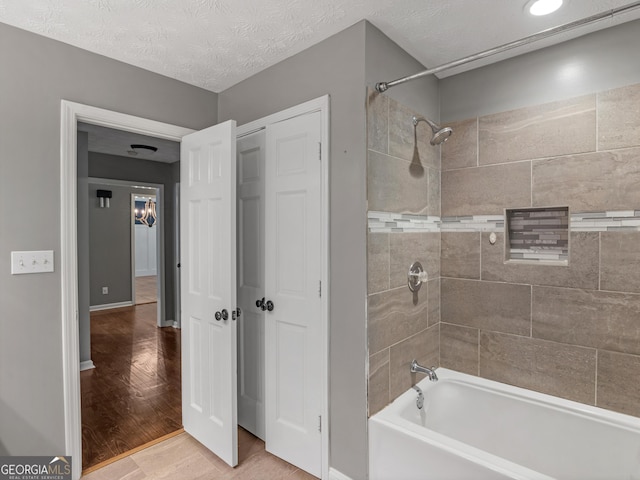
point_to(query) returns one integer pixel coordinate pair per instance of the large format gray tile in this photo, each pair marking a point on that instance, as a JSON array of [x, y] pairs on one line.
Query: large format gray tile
[[433, 192], [410, 143], [461, 150], [499, 307], [618, 387], [378, 388], [377, 121], [619, 118], [377, 262], [486, 190], [460, 255], [581, 272], [424, 347], [394, 316], [561, 370], [594, 182], [548, 130], [589, 318], [619, 270], [406, 248], [459, 347], [392, 186], [433, 292]]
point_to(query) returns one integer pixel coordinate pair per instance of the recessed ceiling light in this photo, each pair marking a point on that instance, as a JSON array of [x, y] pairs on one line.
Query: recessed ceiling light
[[543, 7]]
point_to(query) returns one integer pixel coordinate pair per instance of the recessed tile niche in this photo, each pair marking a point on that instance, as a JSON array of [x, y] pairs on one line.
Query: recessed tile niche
[[537, 235]]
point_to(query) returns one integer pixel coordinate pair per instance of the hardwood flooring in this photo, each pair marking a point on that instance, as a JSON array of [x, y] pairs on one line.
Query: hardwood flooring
[[133, 395], [146, 289], [183, 458]]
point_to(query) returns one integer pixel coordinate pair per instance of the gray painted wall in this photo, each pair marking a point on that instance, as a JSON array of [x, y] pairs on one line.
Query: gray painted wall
[[386, 61], [335, 67], [110, 244], [599, 61], [39, 73], [144, 171]]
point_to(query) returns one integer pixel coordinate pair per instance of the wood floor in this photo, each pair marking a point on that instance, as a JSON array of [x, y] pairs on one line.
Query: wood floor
[[146, 289], [183, 458], [133, 395]]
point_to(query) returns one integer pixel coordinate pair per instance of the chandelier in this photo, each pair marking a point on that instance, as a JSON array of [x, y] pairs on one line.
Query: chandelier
[[147, 215]]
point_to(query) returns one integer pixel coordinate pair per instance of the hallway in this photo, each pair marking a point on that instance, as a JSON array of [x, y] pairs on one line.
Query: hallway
[[133, 395]]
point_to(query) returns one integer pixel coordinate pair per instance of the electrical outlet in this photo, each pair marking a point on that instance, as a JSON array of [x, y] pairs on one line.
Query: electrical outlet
[[105, 290]]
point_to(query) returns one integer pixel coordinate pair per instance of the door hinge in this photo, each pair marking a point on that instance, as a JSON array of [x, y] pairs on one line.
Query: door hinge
[[320, 288], [320, 423], [320, 151]]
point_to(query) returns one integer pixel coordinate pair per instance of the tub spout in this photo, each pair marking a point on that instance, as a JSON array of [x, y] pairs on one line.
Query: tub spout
[[430, 372]]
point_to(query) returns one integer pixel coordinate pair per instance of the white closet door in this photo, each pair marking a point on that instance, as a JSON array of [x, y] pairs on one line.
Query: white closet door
[[293, 272], [251, 255], [208, 279]]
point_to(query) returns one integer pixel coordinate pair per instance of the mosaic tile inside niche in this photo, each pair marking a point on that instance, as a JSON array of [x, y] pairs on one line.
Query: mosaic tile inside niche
[[538, 234]]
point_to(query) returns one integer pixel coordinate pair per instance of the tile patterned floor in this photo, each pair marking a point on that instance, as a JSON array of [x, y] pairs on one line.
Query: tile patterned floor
[[183, 458]]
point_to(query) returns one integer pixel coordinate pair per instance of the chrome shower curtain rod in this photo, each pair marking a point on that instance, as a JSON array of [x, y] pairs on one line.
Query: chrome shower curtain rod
[[383, 86]]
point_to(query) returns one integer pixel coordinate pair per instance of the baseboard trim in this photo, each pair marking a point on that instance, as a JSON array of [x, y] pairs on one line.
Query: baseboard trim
[[109, 306], [86, 365], [336, 475]]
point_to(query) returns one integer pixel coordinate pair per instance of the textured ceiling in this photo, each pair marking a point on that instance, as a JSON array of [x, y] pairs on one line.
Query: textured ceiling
[[215, 44]]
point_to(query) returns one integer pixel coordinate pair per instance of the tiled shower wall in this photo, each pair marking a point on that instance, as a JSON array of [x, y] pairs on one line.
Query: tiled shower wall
[[404, 196], [571, 331]]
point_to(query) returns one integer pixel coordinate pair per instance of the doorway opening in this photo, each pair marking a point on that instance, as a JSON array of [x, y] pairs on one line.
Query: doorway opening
[[131, 392]]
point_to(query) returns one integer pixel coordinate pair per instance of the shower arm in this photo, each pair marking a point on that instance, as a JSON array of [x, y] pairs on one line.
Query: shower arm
[[383, 86]]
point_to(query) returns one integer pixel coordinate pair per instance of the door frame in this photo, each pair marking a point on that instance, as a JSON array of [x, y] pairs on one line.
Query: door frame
[[158, 194], [71, 114]]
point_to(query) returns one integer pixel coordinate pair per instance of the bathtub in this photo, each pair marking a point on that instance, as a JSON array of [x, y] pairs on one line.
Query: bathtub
[[472, 428]]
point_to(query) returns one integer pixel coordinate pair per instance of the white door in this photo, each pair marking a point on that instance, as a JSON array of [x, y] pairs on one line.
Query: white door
[[208, 279], [293, 272], [251, 257]]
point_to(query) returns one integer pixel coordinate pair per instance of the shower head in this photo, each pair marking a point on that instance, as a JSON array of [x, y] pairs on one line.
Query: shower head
[[440, 134]]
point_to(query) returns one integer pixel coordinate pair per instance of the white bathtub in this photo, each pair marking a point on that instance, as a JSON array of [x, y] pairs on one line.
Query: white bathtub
[[472, 428]]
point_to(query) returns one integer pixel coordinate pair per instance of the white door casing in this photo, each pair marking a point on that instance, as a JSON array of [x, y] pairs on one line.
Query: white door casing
[[251, 255], [208, 280], [293, 263]]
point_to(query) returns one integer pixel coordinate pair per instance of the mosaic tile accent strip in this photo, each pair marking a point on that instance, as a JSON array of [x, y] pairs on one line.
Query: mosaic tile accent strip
[[473, 223], [384, 222], [621, 220], [539, 234]]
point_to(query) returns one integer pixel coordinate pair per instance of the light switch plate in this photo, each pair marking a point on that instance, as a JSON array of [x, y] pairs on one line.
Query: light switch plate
[[31, 262]]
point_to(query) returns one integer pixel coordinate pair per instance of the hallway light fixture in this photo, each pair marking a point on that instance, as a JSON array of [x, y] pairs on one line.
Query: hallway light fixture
[[137, 148], [147, 215], [104, 196]]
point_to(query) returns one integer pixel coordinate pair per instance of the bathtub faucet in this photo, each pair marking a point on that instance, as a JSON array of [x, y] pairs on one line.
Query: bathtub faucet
[[430, 372]]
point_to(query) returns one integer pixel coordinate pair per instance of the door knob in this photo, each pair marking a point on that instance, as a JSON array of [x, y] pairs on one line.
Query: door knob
[[218, 316], [260, 303], [269, 305], [236, 313], [225, 314]]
